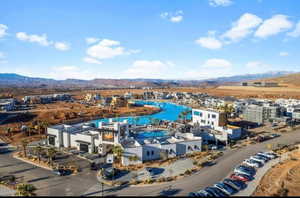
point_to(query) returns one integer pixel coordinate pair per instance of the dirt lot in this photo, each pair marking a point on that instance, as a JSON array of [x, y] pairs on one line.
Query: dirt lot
[[283, 179], [62, 112]]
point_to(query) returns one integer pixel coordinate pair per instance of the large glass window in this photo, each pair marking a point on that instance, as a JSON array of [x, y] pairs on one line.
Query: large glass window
[[51, 140], [197, 113]]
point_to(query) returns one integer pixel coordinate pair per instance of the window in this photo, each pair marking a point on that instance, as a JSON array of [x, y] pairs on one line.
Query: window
[[208, 115], [52, 141], [197, 113], [148, 153], [195, 147], [202, 121], [152, 152], [213, 116]]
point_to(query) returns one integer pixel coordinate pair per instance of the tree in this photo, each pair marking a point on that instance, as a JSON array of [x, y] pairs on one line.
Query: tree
[[51, 153], [8, 131], [24, 144], [25, 190], [118, 151], [38, 151], [133, 158]]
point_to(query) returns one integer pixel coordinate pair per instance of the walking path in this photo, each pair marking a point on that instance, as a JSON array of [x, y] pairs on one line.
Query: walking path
[[259, 175]]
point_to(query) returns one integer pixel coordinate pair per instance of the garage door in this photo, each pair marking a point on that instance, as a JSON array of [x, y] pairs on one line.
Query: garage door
[[84, 147]]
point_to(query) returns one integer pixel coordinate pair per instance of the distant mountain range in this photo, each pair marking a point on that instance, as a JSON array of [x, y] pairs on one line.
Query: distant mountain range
[[16, 80]]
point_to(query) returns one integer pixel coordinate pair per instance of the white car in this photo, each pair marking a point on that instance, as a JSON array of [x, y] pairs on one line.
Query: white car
[[263, 161], [268, 154], [252, 163]]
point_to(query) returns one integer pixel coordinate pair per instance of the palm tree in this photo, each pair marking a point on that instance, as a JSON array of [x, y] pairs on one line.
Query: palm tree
[[51, 153], [38, 151], [118, 151], [24, 144], [8, 131], [25, 190]]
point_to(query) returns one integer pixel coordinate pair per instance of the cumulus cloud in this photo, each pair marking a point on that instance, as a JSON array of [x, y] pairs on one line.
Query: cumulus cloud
[[42, 40], [91, 60], [3, 29], [274, 25], [91, 40], [283, 54], [216, 3], [34, 38], [62, 46], [148, 69], [296, 32], [242, 27], [106, 49], [217, 63], [209, 42], [173, 17]]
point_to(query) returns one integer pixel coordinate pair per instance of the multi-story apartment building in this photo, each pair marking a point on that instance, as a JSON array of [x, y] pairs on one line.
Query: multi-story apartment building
[[209, 117], [261, 114]]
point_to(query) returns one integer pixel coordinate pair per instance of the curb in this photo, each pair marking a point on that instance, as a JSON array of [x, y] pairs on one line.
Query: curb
[[32, 163]]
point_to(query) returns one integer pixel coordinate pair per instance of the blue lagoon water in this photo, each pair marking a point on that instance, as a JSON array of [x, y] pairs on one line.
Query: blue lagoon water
[[169, 112]]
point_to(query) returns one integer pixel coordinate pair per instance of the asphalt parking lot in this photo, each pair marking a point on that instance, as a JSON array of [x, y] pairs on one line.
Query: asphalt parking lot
[[47, 182]]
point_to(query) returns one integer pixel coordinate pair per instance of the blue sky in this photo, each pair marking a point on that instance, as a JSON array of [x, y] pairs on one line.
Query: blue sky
[[168, 39]]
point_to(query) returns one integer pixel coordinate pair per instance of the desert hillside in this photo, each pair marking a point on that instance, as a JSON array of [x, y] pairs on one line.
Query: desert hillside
[[291, 80]]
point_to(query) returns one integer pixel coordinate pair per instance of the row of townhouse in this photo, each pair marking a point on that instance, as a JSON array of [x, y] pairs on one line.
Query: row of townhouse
[[44, 99], [7, 104]]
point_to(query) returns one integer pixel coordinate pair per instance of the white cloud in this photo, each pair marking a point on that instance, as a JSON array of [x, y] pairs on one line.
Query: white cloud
[[216, 3], [148, 69], [283, 54], [62, 46], [274, 25], [242, 27], [3, 29], [2, 56], [40, 39], [91, 40], [91, 60], [106, 49], [217, 63], [209, 42], [173, 17], [296, 32]]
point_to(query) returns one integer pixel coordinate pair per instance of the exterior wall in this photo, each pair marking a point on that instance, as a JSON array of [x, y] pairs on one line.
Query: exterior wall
[[151, 152], [208, 118], [55, 132], [138, 151]]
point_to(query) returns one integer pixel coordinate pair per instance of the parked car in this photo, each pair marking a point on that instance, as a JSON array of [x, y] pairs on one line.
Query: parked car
[[241, 177], [263, 156], [94, 166], [274, 135], [215, 192], [62, 172], [269, 155], [237, 184], [199, 194], [245, 170], [257, 158], [225, 188], [252, 163]]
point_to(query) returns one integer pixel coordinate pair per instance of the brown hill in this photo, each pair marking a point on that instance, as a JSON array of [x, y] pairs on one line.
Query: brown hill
[[291, 80]]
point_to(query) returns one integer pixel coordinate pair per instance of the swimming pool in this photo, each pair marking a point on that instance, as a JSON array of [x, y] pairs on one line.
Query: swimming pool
[[151, 134], [170, 112]]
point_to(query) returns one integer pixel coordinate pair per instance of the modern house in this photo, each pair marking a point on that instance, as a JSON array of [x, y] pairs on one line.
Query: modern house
[[7, 104], [261, 114], [88, 137]]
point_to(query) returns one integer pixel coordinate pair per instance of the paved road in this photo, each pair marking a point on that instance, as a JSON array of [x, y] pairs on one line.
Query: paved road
[[85, 183]]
